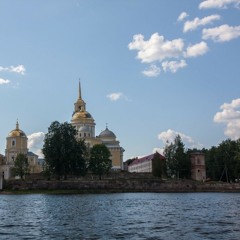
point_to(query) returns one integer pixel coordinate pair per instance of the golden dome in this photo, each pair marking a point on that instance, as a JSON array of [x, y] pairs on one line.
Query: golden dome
[[81, 115], [17, 132]]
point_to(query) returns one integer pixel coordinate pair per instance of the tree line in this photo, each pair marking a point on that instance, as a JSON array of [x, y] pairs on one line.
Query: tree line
[[222, 162]]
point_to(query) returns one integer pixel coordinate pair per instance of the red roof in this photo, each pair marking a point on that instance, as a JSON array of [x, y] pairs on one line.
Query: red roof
[[145, 159]]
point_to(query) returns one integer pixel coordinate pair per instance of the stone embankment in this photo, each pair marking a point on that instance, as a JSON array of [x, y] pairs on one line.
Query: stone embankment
[[122, 185]]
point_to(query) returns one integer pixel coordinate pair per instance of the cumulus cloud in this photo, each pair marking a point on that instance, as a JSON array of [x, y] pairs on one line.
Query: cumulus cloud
[[230, 115], [182, 16], [173, 66], [4, 81], [152, 71], [35, 143], [196, 50], [156, 48], [170, 135], [222, 33], [18, 69], [217, 3], [116, 96], [197, 22]]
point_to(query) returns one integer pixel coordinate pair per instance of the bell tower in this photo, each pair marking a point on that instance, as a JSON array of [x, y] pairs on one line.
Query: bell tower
[[82, 120], [80, 105], [16, 143]]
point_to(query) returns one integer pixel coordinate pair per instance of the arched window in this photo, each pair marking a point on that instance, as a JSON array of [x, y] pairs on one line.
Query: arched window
[[13, 143]]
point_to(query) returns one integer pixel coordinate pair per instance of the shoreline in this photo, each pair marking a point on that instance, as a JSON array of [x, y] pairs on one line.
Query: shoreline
[[115, 186]]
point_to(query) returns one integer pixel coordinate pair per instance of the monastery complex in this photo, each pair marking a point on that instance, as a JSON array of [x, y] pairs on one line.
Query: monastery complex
[[17, 142], [82, 120]]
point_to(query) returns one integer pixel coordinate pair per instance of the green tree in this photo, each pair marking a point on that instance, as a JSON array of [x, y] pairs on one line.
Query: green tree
[[64, 155], [183, 161], [178, 163], [158, 165], [171, 163], [222, 162], [99, 162], [21, 166]]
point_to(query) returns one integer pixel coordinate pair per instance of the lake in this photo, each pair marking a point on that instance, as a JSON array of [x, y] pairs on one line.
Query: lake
[[121, 216]]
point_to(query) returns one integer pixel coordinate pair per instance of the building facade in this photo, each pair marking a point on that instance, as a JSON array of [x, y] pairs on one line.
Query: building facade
[[144, 164], [198, 168], [16, 142], [84, 123]]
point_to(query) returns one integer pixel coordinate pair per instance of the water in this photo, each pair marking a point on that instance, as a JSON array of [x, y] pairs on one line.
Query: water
[[121, 216]]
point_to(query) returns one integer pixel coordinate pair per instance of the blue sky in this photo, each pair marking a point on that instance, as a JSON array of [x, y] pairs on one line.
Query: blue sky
[[150, 69]]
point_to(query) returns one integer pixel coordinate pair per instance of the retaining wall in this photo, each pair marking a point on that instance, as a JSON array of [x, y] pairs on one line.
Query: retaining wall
[[123, 185]]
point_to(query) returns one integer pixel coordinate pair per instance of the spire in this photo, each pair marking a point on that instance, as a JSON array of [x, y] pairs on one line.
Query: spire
[[17, 125], [79, 90]]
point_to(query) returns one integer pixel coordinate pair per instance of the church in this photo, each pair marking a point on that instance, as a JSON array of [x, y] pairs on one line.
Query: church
[[85, 126], [16, 143]]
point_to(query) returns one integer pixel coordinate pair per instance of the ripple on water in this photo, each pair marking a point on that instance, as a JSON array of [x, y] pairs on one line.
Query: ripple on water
[[121, 216]]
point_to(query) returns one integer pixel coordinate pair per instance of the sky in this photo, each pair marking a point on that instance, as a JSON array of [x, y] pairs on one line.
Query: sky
[[150, 69]]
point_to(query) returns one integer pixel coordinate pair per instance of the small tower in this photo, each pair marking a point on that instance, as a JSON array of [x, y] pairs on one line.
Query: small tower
[[198, 168]]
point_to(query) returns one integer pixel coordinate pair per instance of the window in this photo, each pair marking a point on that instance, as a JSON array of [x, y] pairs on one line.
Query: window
[[13, 143]]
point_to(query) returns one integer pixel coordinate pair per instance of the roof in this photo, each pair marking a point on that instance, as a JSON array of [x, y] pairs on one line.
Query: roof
[[145, 159], [17, 132], [107, 134]]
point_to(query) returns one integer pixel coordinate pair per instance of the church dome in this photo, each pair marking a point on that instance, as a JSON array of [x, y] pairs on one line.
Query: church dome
[[17, 132], [107, 134], [81, 115]]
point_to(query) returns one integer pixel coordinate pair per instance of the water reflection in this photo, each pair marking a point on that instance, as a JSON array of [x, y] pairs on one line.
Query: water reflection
[[121, 216]]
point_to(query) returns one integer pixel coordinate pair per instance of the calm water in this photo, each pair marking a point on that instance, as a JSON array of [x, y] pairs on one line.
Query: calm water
[[121, 216]]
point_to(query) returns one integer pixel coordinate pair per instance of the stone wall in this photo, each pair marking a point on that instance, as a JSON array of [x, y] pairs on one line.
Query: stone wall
[[122, 185]]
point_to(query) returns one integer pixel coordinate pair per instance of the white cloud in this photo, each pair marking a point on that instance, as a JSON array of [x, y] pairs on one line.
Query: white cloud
[[4, 81], [152, 71], [182, 16], [170, 135], [18, 69], [222, 33], [116, 96], [217, 3], [197, 22], [230, 115], [159, 150], [35, 143], [156, 48], [173, 66], [196, 50]]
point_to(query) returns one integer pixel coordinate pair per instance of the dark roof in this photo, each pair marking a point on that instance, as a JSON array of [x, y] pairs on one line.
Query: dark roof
[[32, 154], [145, 159]]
